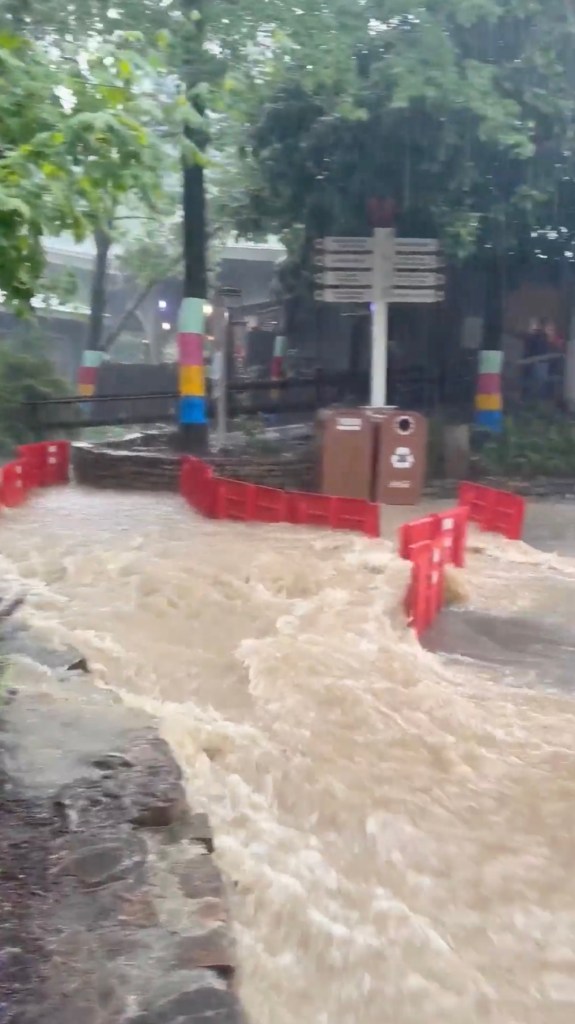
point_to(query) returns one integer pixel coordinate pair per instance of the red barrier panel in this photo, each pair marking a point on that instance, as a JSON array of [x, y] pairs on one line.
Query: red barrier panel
[[33, 457], [478, 499], [14, 488], [270, 505], [452, 529], [417, 532], [507, 515], [47, 463], [355, 514], [233, 500], [197, 485], [311, 509], [190, 471], [495, 511], [57, 465], [205, 497], [425, 594]]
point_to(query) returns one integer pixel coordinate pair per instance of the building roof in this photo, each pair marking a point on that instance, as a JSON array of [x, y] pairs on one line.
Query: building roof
[[64, 250]]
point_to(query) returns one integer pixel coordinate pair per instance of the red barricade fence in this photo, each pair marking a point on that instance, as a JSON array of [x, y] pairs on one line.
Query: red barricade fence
[[426, 589], [13, 486], [270, 505], [47, 463], [452, 530], [197, 484], [494, 511], [233, 499], [450, 527], [57, 465], [429, 543], [221, 498], [310, 509]]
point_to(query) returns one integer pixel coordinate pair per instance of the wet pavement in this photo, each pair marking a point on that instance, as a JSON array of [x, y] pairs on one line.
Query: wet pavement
[[535, 649]]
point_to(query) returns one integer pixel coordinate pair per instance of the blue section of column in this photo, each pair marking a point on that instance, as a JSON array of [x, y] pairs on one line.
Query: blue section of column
[[192, 410], [489, 420]]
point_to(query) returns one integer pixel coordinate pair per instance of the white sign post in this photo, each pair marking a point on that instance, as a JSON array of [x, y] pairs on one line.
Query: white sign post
[[384, 255], [219, 369], [379, 270]]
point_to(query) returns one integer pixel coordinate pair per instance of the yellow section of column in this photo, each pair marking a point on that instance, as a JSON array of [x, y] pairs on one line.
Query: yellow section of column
[[488, 403], [191, 381]]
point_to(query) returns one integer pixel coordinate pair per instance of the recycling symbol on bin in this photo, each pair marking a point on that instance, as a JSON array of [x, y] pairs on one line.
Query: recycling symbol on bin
[[402, 458]]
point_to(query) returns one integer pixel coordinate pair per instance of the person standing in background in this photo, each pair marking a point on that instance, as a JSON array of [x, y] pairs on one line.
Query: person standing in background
[[536, 366]]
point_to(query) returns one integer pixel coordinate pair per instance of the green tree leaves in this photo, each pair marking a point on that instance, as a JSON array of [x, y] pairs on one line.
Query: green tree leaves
[[80, 132]]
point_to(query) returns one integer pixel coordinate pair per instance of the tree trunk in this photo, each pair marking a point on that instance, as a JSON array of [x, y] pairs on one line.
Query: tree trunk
[[193, 436], [98, 298], [494, 303]]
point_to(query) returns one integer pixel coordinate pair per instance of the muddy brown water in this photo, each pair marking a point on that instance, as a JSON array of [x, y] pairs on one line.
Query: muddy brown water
[[397, 821]]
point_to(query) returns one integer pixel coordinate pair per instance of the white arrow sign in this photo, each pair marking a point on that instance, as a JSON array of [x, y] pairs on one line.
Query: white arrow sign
[[403, 245], [345, 295], [415, 295], [350, 244], [415, 262], [416, 280], [347, 277], [345, 260]]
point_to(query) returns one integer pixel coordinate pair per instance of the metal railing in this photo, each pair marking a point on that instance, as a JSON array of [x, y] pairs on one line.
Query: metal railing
[[414, 390]]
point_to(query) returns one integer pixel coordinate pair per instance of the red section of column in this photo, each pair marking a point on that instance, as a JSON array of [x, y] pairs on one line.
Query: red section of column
[[488, 384], [87, 375]]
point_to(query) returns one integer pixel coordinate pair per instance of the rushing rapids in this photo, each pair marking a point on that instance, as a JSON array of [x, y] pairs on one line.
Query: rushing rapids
[[395, 825]]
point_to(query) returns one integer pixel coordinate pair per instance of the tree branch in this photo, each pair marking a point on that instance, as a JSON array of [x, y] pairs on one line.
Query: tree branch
[[115, 333]]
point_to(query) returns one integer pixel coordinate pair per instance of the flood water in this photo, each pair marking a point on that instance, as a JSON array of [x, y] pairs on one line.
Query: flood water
[[396, 823]]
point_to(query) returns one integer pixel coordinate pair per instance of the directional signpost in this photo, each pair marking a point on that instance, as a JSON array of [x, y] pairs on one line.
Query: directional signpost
[[379, 270], [345, 294]]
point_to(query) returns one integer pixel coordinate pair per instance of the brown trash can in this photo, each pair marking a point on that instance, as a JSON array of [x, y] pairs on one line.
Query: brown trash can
[[347, 453], [401, 459]]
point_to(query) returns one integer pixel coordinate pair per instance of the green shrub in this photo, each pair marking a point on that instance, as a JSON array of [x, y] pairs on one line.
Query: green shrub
[[26, 375], [532, 445]]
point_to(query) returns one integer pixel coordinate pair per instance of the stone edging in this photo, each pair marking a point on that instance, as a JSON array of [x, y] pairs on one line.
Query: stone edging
[[128, 469], [112, 910]]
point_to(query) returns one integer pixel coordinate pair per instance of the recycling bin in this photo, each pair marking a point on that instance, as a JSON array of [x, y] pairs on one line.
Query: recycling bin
[[401, 457], [347, 445]]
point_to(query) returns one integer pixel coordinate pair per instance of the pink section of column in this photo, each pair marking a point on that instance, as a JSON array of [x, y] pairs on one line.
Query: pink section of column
[[191, 349]]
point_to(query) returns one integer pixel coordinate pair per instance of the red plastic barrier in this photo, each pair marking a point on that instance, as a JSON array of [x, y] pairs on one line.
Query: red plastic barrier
[[233, 500], [478, 499], [417, 532], [355, 514], [270, 505], [425, 594], [310, 509], [450, 527], [495, 511], [33, 456], [189, 475], [334, 513], [57, 465], [47, 463], [197, 485], [507, 516], [206, 483], [14, 487], [452, 530]]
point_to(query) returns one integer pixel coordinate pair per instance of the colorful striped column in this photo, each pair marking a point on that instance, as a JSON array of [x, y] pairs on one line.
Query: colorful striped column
[[488, 396], [88, 373], [192, 385]]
